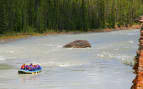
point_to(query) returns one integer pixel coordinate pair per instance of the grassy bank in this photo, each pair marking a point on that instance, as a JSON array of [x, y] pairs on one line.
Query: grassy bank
[[14, 36]]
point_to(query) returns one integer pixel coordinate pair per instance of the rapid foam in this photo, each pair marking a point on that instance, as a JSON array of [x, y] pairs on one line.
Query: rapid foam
[[2, 58]]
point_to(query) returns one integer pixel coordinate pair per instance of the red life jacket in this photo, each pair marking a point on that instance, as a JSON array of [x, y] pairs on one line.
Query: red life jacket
[[29, 68], [23, 66]]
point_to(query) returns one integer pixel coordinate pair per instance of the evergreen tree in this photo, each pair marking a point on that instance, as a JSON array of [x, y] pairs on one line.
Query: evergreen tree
[[3, 17]]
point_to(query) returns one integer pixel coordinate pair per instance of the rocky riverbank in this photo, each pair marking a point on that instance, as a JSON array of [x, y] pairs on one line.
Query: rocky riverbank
[[138, 67]]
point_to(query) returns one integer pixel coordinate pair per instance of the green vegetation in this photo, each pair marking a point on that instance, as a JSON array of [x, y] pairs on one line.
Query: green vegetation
[[28, 16]]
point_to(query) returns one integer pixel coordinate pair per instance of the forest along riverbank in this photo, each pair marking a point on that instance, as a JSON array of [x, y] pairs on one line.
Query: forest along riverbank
[[74, 15], [104, 65]]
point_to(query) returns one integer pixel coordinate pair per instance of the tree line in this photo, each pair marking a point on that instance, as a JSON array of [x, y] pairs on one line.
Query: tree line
[[26, 16]]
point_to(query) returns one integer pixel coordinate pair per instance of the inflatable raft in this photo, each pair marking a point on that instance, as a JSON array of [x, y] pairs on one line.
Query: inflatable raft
[[21, 71], [30, 69]]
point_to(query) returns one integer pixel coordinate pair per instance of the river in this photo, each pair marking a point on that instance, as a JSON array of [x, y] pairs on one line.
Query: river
[[107, 65]]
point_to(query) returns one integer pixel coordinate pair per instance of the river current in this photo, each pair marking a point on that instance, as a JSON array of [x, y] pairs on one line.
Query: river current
[[107, 65]]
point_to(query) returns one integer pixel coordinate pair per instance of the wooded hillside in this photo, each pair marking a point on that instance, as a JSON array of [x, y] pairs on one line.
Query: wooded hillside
[[66, 15]]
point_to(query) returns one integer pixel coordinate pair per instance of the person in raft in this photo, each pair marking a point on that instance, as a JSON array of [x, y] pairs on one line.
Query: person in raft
[[23, 66], [30, 67]]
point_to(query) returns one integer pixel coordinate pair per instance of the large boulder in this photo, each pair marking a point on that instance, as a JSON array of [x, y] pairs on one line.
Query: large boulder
[[78, 44]]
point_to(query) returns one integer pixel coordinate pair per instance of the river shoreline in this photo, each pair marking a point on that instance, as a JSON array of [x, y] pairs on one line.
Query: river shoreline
[[16, 36]]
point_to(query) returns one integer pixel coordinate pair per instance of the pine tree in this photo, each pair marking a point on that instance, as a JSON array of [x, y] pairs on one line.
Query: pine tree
[[3, 17]]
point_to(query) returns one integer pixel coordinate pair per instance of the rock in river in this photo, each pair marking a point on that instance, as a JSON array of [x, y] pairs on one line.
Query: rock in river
[[78, 44]]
